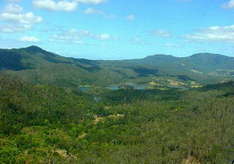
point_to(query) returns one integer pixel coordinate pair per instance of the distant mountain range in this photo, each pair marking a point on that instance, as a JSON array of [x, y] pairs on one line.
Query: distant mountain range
[[39, 66]]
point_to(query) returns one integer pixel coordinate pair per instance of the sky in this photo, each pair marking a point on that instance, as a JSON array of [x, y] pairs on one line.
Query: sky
[[119, 29]]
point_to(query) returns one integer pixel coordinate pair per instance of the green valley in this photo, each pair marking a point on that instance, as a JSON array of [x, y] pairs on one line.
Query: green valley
[[33, 64], [46, 124], [116, 82], [160, 109]]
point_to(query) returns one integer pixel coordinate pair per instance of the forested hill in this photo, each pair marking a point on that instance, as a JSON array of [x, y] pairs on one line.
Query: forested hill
[[47, 124], [36, 65]]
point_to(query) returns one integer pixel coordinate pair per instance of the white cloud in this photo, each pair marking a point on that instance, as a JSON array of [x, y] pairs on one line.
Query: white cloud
[[76, 36], [93, 11], [161, 33], [11, 28], [23, 18], [104, 37], [229, 4], [63, 5], [214, 33], [13, 8], [131, 17], [29, 39], [95, 2], [72, 35], [16, 20], [53, 5]]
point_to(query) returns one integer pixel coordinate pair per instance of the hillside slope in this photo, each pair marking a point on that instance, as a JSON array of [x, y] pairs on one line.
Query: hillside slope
[[47, 124], [36, 65]]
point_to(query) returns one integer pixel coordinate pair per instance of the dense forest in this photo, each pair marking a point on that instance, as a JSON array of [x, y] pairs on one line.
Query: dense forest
[[49, 124], [116, 81]]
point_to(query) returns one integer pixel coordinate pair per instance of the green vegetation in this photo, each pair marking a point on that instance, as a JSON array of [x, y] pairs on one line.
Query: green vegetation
[[157, 109], [37, 66], [47, 124]]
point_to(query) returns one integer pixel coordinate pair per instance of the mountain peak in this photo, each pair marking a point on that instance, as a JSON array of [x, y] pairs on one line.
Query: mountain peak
[[38, 50], [198, 55], [34, 48], [160, 56]]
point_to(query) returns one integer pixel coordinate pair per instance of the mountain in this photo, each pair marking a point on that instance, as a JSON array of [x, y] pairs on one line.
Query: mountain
[[39, 66], [204, 62]]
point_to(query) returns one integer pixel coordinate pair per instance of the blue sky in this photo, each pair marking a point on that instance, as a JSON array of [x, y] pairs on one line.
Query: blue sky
[[119, 29]]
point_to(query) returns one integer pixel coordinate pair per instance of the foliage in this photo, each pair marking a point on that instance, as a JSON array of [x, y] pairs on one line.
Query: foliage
[[35, 65], [47, 124]]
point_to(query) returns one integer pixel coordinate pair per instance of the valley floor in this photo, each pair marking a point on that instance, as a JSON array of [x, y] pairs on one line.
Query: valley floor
[[46, 124]]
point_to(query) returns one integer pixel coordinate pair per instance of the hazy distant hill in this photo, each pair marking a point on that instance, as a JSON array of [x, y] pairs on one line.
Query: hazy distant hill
[[204, 62], [36, 65]]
